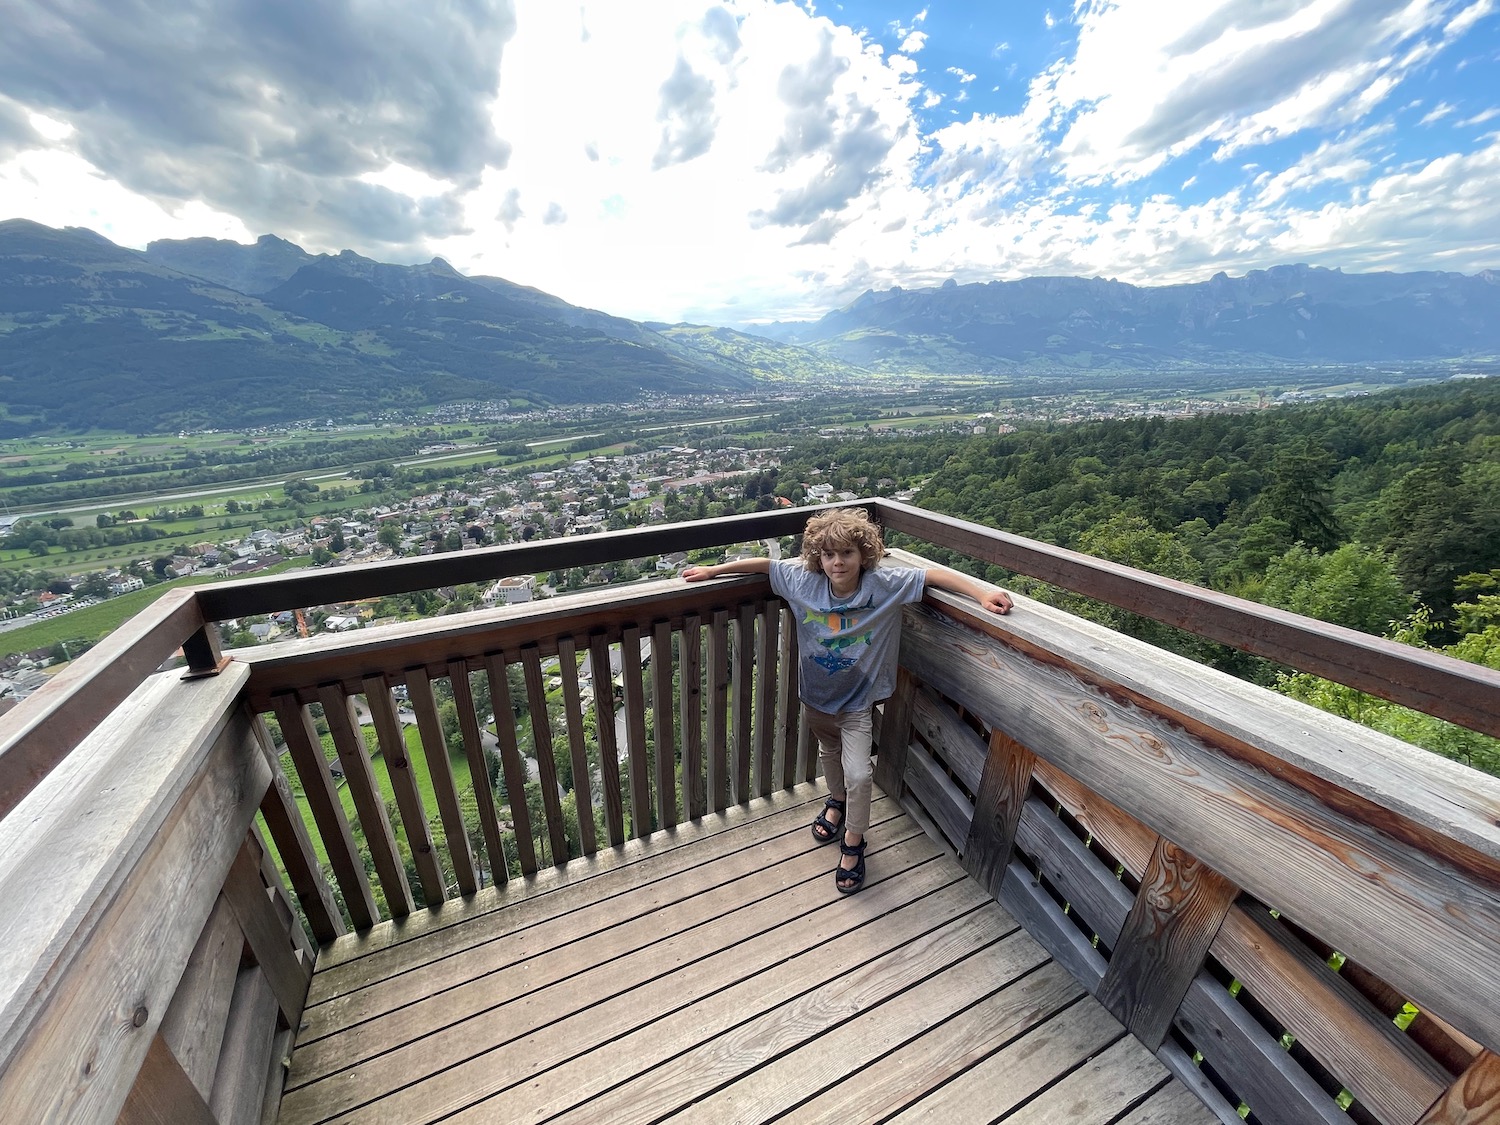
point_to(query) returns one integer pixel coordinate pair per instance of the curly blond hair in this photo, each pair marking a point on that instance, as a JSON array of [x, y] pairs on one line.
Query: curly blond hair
[[842, 527]]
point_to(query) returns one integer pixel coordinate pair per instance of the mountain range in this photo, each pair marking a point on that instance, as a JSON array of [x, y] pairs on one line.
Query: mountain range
[[211, 333], [1286, 316]]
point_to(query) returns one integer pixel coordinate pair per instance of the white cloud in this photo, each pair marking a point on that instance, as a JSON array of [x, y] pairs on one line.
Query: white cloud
[[751, 159]]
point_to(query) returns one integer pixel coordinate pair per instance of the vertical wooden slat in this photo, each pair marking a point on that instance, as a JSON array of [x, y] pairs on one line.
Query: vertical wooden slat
[[583, 788], [807, 752], [743, 676], [663, 715], [635, 732], [510, 760], [609, 745], [479, 769], [440, 771], [289, 834], [718, 711], [787, 703], [328, 812], [1174, 918], [194, 1024], [270, 945], [239, 1087], [1003, 786], [368, 802], [404, 784], [546, 763], [895, 735], [767, 620], [281, 1053], [1473, 1099], [281, 904], [690, 702]]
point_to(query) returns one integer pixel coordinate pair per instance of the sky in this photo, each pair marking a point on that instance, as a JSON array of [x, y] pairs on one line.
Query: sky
[[745, 161]]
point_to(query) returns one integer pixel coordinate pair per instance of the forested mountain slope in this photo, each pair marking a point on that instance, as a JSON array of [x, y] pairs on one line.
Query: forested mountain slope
[[94, 335]]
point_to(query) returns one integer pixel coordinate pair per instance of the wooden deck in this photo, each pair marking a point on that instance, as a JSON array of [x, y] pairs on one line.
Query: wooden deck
[[712, 973]]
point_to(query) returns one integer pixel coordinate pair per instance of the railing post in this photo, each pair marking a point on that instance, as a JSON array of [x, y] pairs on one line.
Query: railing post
[[1473, 1097], [1178, 910], [895, 734], [203, 652], [997, 810]]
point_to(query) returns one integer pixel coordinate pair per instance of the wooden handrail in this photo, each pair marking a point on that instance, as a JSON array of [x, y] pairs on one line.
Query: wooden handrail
[[38, 735], [1461, 692]]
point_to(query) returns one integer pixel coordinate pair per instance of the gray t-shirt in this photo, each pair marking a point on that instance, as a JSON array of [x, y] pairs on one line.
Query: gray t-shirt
[[847, 646]]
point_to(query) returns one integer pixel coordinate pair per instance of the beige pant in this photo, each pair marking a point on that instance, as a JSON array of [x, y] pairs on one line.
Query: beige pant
[[844, 742]]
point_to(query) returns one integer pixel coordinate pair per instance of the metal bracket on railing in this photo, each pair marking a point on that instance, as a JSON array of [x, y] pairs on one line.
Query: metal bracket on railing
[[204, 656]]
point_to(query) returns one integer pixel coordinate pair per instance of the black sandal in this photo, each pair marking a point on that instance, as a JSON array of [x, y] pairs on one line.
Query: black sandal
[[835, 831], [850, 879]]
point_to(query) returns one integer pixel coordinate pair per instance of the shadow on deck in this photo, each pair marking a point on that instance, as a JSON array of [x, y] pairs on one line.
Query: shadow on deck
[[714, 970]]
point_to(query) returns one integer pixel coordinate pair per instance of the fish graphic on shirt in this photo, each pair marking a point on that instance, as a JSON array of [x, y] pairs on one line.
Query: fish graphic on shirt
[[832, 662], [840, 643], [836, 620]]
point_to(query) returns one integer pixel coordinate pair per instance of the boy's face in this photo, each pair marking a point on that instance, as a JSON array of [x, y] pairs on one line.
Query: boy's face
[[840, 561]]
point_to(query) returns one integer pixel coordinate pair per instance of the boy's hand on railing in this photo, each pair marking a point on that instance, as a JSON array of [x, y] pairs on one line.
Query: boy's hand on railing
[[996, 601], [698, 573]]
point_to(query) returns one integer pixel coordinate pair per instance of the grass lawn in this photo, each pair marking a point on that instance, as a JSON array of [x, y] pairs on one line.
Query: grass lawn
[[97, 621], [459, 764]]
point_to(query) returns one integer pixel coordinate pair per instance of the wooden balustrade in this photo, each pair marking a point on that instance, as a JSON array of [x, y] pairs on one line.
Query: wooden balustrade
[[1292, 912], [621, 674], [1253, 888]]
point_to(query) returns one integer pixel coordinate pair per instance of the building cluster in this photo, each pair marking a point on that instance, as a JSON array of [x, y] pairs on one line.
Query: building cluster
[[495, 505]]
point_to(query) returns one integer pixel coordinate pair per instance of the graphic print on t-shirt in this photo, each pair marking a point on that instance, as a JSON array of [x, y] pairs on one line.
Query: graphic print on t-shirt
[[840, 629]]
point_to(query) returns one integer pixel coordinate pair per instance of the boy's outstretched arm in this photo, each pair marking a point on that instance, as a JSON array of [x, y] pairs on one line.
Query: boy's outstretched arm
[[990, 597], [741, 566]]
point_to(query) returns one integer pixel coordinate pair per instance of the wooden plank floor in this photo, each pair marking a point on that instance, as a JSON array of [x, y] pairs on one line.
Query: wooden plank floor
[[714, 974]]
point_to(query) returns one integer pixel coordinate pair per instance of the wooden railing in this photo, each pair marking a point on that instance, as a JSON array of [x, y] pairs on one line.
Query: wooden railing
[[1295, 913]]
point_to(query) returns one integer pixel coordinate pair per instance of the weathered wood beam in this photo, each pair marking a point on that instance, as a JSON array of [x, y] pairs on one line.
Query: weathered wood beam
[[583, 786], [1456, 690], [663, 718], [92, 959], [718, 711], [895, 735], [440, 771], [1172, 923], [60, 714], [1003, 787], [631, 673], [479, 769], [1474, 1099], [288, 830], [359, 776], [1389, 1074], [690, 716], [609, 751], [315, 587], [546, 763], [1419, 918], [404, 785], [328, 811]]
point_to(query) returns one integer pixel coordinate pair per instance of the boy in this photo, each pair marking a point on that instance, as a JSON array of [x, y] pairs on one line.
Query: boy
[[848, 614]]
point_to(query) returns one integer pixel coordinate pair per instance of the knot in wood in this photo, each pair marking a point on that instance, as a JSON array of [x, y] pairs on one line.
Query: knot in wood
[[1094, 715], [139, 1018]]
